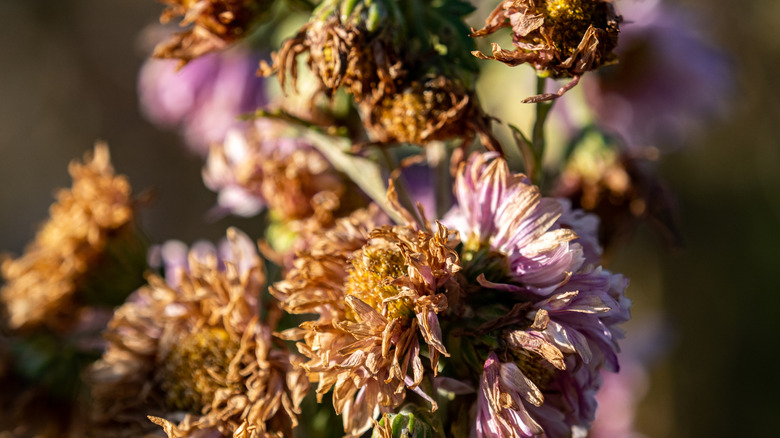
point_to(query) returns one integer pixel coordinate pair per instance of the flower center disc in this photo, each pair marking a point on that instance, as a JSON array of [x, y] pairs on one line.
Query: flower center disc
[[189, 373], [372, 271]]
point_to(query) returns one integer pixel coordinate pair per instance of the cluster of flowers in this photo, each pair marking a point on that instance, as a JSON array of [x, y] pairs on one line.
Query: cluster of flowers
[[484, 311]]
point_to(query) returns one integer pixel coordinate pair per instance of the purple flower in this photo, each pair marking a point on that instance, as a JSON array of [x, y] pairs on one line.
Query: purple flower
[[501, 212], [542, 376], [204, 98], [668, 81]]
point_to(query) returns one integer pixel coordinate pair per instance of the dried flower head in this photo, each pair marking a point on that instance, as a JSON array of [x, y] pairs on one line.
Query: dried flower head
[[340, 54], [263, 166], [436, 108], [197, 358], [559, 38], [89, 237], [377, 290], [214, 24], [622, 189]]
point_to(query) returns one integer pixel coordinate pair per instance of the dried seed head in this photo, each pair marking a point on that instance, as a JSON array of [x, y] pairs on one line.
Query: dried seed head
[[340, 54], [436, 109], [559, 38], [215, 24], [188, 375]]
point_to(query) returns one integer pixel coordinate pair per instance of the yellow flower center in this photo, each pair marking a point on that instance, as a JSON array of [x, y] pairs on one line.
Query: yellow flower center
[[196, 367], [371, 275], [565, 10], [568, 21]]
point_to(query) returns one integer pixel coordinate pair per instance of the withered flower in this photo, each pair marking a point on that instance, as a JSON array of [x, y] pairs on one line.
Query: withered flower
[[377, 290], [435, 108], [623, 189], [89, 251], [559, 38], [546, 314], [340, 54], [265, 167], [214, 24], [196, 358]]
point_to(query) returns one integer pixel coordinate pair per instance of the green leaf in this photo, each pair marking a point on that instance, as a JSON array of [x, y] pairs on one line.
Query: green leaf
[[362, 171]]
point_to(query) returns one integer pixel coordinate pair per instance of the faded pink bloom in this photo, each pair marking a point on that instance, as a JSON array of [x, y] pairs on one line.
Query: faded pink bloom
[[203, 99], [562, 310], [669, 79]]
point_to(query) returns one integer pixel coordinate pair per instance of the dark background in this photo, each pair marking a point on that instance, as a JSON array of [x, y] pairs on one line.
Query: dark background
[[68, 77]]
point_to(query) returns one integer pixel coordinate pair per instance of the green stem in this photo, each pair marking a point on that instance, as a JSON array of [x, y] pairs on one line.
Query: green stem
[[436, 153], [537, 136], [525, 149]]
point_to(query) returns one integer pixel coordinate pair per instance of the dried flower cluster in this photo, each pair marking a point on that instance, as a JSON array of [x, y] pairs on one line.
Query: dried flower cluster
[[383, 292], [90, 225], [401, 100], [428, 292]]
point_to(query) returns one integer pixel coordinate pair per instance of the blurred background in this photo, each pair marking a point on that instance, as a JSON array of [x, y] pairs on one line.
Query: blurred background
[[706, 310]]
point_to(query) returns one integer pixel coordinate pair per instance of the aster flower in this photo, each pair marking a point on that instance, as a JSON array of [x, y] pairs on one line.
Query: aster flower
[[559, 38], [551, 320], [201, 358], [378, 290], [262, 166], [502, 217], [204, 98], [214, 24], [88, 252]]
